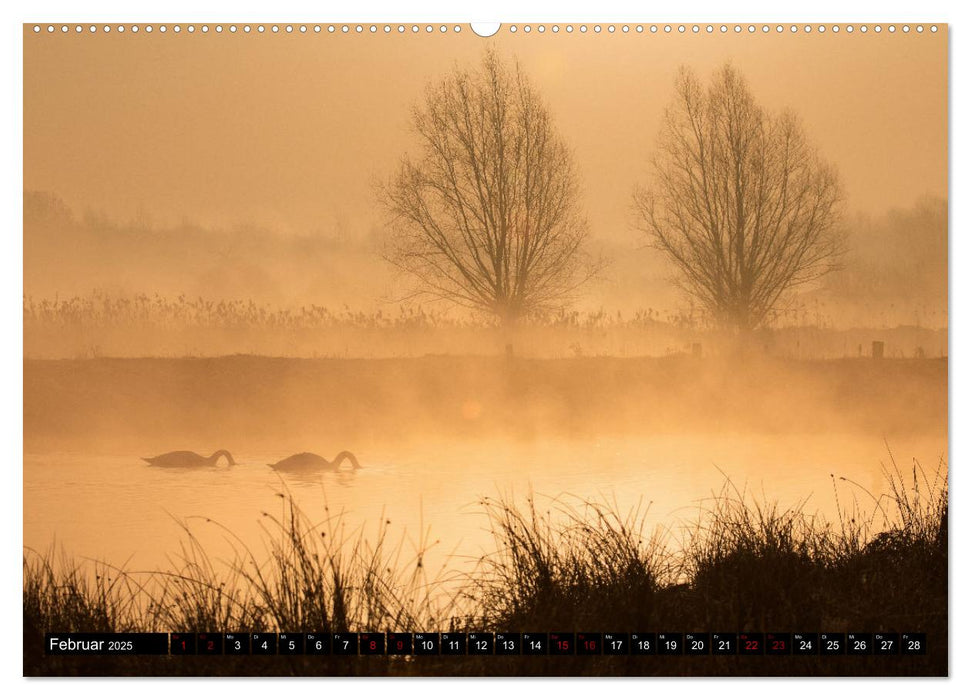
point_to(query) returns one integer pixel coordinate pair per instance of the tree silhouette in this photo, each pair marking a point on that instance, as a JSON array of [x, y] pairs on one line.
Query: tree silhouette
[[741, 202], [487, 216]]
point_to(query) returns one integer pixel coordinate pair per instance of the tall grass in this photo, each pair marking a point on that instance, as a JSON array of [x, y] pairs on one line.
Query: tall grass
[[568, 566], [311, 576], [61, 594], [562, 564], [752, 565]]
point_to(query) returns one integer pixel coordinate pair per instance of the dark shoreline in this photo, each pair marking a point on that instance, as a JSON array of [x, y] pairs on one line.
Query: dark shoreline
[[746, 567]]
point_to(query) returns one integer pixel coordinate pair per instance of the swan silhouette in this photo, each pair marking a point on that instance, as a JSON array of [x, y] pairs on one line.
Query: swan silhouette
[[184, 458], [308, 460]]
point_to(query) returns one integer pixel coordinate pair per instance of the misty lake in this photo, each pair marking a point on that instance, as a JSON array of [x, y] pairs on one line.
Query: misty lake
[[114, 508]]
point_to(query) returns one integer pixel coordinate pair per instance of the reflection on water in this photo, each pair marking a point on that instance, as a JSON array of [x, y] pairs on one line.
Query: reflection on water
[[116, 508]]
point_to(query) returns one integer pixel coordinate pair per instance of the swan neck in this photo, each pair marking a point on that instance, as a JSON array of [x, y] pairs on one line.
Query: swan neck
[[341, 456], [221, 453]]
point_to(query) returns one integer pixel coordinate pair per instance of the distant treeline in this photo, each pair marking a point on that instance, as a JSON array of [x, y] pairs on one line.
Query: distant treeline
[[895, 271], [67, 254], [894, 274]]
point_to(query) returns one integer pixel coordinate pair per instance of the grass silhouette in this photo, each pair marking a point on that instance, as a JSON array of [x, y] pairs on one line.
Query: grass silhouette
[[562, 564]]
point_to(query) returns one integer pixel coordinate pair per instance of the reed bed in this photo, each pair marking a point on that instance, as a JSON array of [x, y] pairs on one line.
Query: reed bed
[[103, 325]]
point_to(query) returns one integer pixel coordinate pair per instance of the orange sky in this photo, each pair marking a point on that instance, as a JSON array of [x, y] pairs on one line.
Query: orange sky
[[290, 131]]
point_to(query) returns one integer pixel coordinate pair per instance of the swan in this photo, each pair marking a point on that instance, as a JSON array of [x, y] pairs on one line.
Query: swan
[[308, 460], [184, 458]]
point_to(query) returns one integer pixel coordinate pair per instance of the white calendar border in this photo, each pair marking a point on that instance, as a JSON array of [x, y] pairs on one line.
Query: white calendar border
[[603, 11]]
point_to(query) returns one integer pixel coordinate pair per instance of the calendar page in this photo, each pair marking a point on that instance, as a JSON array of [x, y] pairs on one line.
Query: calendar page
[[437, 349]]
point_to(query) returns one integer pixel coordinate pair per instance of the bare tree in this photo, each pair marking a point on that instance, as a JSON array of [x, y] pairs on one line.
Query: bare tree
[[741, 202], [487, 217]]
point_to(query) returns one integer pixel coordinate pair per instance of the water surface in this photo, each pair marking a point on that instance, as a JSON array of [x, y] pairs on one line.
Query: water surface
[[113, 507]]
